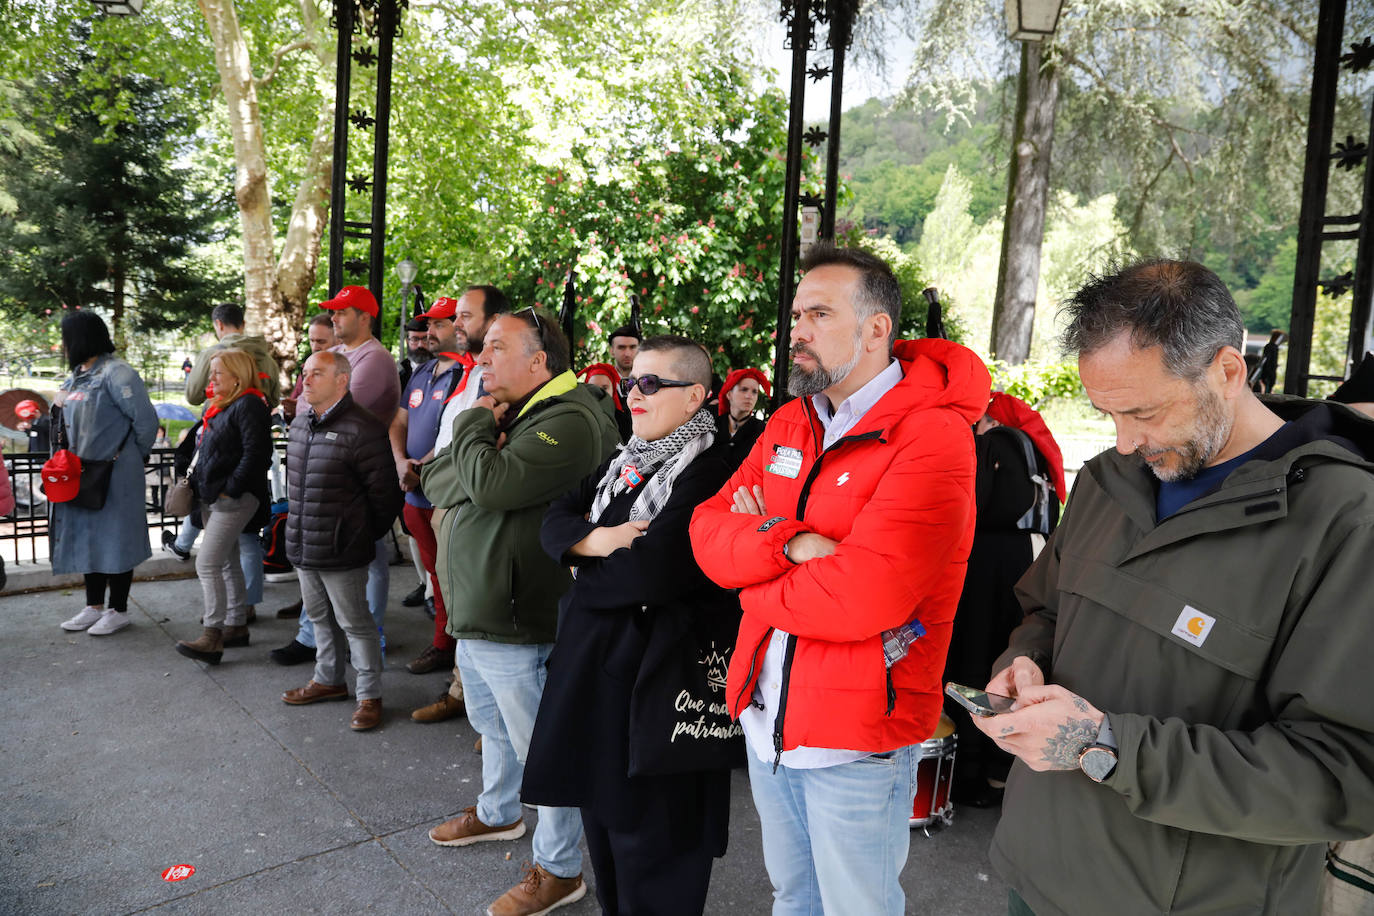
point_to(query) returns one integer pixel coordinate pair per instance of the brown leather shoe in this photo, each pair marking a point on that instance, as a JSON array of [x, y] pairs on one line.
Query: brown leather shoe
[[441, 710], [315, 693], [291, 611], [477, 745], [235, 636], [539, 892], [367, 716], [466, 829], [252, 615], [432, 659]]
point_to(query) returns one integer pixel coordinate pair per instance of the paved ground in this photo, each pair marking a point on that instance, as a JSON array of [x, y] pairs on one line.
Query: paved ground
[[119, 758]]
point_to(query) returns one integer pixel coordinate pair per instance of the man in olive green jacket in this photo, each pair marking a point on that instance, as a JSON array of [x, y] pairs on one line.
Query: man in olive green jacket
[[532, 437], [1194, 718]]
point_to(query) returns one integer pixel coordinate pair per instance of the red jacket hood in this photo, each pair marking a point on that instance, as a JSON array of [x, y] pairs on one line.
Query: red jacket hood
[[936, 373]]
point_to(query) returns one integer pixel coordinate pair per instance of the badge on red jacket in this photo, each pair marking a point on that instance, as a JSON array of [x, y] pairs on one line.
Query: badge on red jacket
[[786, 461]]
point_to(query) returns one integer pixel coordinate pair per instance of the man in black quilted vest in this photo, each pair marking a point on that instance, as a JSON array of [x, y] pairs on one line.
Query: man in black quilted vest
[[343, 494]]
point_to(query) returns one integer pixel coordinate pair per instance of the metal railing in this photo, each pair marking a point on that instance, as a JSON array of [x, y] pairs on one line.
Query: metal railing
[[24, 532]]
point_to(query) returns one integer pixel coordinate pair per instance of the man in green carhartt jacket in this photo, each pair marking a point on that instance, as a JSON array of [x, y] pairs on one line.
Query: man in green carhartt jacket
[[1195, 719], [532, 437]]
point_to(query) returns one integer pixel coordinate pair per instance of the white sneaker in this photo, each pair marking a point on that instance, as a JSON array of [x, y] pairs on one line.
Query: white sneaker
[[109, 622], [88, 616]]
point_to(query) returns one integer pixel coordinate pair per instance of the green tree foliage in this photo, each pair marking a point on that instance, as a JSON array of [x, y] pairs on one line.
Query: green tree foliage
[[100, 216], [897, 159], [692, 232]]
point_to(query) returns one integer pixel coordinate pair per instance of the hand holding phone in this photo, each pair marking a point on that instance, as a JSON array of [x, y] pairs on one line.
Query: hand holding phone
[[978, 702]]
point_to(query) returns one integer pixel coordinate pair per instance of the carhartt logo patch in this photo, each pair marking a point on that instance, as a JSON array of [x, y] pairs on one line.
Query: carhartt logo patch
[[1193, 626], [547, 438]]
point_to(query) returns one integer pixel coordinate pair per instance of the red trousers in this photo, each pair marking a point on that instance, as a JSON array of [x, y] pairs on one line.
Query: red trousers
[[417, 521]]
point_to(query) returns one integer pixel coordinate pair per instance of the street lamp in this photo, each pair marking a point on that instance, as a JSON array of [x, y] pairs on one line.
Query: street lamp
[[119, 7], [1032, 20], [406, 271]]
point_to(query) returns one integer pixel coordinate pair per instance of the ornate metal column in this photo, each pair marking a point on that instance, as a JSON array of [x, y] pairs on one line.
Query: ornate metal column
[[371, 20], [1315, 227], [801, 17]]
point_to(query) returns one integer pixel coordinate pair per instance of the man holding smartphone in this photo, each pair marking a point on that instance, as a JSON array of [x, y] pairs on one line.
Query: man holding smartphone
[[1196, 641], [847, 529]]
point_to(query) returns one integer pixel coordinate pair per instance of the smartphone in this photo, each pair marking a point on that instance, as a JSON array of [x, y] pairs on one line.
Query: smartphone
[[978, 702]]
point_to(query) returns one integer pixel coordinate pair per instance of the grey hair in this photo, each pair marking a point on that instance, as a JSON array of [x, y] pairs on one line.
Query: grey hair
[[341, 364], [690, 361], [1179, 306], [877, 291]]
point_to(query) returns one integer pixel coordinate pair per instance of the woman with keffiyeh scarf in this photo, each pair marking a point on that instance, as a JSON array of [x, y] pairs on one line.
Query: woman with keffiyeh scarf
[[652, 834], [230, 483]]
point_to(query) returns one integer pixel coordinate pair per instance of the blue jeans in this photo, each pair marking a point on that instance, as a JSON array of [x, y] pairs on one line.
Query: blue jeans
[[835, 838], [378, 581], [502, 685], [250, 558]]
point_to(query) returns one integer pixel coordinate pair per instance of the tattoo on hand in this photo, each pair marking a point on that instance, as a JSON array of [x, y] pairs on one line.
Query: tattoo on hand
[[1007, 730], [1063, 749], [1080, 704]]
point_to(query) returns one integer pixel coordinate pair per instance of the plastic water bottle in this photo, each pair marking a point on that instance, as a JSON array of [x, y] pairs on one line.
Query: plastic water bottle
[[897, 642]]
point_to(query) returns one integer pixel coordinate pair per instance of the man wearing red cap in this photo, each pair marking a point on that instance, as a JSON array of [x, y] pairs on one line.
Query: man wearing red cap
[[413, 431], [737, 423], [33, 421], [376, 385]]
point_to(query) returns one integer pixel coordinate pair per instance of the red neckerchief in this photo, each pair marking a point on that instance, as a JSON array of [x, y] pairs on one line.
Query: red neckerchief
[[467, 362], [214, 409]]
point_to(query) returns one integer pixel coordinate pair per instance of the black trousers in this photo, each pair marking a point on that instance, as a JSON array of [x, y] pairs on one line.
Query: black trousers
[[119, 589], [644, 870]]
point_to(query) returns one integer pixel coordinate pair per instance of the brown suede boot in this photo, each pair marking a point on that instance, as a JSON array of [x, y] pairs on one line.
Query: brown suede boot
[[235, 636], [209, 648]]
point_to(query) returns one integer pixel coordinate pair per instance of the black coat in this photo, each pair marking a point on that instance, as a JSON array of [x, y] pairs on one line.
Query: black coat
[[581, 750], [341, 486], [988, 609], [235, 452], [743, 440]]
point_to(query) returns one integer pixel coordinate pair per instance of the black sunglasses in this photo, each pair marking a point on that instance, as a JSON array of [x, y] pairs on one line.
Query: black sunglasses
[[650, 384], [538, 325]]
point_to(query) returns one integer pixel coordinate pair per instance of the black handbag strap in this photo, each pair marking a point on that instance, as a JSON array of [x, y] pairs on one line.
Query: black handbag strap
[[61, 439]]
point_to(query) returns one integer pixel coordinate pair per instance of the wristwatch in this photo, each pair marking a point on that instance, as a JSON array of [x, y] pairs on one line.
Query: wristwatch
[[1098, 759]]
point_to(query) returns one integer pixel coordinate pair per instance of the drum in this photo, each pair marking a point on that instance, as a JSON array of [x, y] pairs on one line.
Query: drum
[[934, 768]]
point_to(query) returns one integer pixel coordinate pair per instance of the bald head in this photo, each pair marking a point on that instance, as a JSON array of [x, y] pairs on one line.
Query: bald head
[[325, 379]]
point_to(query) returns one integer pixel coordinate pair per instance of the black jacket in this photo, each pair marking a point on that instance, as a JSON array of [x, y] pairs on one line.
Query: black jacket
[[581, 752], [235, 452], [341, 486], [743, 440]]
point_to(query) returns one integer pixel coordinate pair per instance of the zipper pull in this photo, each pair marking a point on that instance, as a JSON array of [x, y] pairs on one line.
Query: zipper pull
[[777, 747], [891, 693]]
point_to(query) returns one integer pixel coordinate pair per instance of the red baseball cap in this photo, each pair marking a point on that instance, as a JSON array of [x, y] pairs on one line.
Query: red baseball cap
[[443, 308], [62, 476], [353, 297], [27, 408]]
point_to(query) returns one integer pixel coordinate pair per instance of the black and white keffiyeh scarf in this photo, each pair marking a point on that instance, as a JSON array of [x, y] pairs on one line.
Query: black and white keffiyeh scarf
[[637, 462]]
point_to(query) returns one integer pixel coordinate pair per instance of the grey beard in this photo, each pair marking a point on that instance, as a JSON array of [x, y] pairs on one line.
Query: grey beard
[[1212, 430], [802, 384]]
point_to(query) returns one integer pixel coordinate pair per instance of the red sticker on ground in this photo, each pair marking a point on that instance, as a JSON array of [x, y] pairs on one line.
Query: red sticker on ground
[[178, 873]]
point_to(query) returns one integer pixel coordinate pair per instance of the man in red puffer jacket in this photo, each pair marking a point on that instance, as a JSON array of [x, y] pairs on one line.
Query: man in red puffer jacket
[[851, 518]]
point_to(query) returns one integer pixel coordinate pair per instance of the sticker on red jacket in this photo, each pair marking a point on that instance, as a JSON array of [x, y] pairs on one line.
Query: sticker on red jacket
[[630, 474], [416, 396], [786, 461]]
